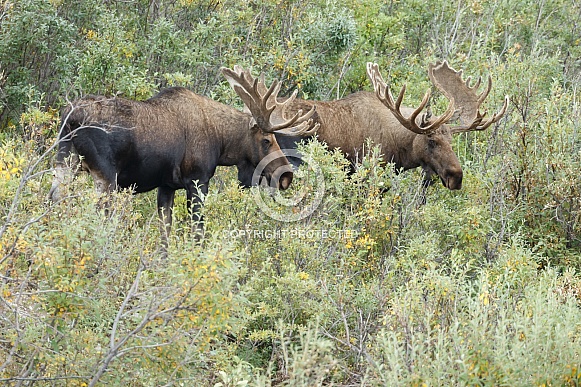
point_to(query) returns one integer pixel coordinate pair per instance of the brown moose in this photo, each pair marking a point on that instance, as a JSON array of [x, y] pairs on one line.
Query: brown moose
[[407, 138]]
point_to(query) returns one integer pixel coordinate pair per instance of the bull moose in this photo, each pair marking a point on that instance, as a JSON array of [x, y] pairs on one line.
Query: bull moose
[[406, 137], [176, 139]]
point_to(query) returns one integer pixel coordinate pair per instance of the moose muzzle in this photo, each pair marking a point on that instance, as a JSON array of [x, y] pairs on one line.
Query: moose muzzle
[[452, 181], [276, 169], [282, 177]]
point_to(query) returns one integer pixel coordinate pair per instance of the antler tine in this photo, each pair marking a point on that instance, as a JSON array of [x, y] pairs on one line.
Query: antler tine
[[418, 110], [476, 86], [450, 111], [482, 96], [313, 128], [306, 128], [383, 93], [272, 90], [267, 112], [261, 83], [284, 105], [259, 89], [306, 125]]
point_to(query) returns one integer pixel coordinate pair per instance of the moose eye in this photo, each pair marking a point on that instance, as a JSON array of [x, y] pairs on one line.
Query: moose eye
[[431, 143], [266, 142]]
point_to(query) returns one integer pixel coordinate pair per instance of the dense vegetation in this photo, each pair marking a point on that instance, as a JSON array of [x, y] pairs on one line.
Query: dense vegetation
[[476, 287]]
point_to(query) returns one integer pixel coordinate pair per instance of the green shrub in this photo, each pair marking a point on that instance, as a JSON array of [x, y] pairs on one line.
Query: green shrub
[[373, 287]]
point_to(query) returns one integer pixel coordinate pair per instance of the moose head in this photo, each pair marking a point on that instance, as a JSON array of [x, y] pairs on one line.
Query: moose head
[[269, 117], [431, 146]]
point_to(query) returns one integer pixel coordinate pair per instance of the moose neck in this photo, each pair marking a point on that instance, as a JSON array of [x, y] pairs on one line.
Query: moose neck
[[408, 150], [401, 146], [236, 143]]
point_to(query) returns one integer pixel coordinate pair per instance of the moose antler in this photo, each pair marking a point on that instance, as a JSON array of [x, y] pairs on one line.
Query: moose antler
[[384, 94], [268, 113], [468, 101]]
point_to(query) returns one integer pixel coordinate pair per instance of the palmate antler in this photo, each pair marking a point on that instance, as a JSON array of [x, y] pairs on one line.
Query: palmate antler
[[468, 101], [384, 94], [463, 100], [268, 113]]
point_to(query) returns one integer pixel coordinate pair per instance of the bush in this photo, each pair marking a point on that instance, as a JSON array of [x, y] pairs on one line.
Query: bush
[[373, 287]]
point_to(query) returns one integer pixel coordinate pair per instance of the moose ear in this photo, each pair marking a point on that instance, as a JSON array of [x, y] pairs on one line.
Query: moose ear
[[253, 125]]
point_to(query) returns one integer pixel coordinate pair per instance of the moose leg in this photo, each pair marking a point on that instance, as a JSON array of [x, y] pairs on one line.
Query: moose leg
[[104, 184], [98, 160], [165, 197], [245, 171], [426, 183], [195, 196]]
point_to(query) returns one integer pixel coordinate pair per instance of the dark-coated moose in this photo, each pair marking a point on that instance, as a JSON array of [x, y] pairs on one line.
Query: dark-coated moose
[[406, 137], [176, 139]]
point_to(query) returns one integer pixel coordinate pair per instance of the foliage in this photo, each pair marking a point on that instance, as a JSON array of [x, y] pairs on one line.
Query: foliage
[[473, 287]]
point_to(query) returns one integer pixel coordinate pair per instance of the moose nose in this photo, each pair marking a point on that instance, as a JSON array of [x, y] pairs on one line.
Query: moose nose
[[454, 181], [454, 184], [285, 180]]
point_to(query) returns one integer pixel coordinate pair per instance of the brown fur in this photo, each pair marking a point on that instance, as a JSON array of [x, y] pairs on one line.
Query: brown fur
[[347, 124]]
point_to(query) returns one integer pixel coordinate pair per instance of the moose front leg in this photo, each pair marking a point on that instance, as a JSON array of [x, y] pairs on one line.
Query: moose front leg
[[105, 183], [165, 198], [245, 171], [426, 183], [195, 194]]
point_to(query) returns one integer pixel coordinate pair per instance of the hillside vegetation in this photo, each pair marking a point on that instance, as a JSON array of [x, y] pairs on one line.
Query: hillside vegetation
[[477, 287]]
